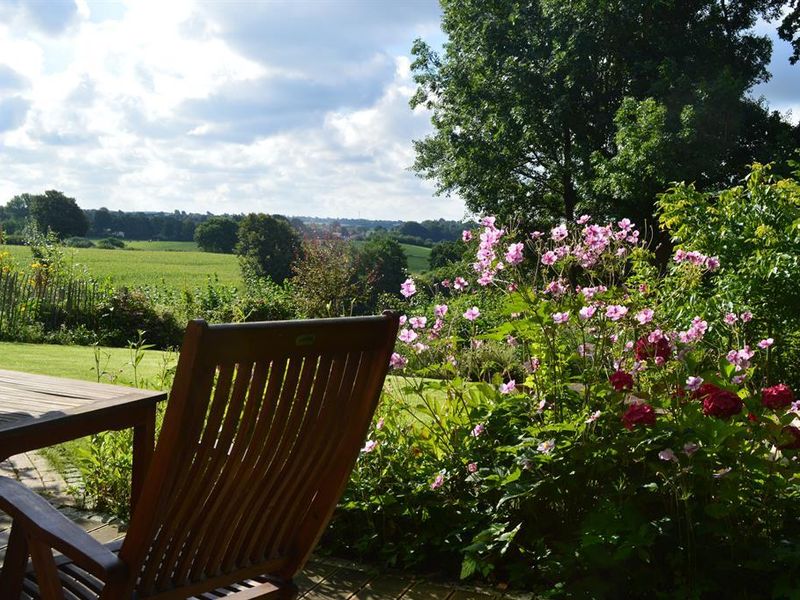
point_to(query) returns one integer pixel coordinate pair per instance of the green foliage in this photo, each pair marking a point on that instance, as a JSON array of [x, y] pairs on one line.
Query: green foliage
[[382, 266], [445, 253], [78, 242], [754, 229], [110, 243], [267, 246], [511, 449], [217, 234], [325, 282], [59, 213], [126, 312], [544, 108]]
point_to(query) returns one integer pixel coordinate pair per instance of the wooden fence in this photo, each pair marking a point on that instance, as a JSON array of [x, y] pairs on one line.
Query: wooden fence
[[26, 299]]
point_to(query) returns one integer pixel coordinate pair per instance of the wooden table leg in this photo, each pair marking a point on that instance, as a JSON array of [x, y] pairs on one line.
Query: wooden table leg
[[144, 436]]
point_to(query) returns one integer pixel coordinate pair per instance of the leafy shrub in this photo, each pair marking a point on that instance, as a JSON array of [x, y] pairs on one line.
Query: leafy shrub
[[110, 243], [14, 239], [126, 312], [79, 242], [621, 441]]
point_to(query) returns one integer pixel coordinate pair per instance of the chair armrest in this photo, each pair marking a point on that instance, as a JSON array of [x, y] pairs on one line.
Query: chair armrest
[[41, 521]]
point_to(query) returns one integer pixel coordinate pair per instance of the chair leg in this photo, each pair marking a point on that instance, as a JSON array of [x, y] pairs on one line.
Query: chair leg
[[14, 564], [46, 571]]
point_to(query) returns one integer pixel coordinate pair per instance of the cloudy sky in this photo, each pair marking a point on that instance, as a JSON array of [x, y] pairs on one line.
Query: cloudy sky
[[296, 107]]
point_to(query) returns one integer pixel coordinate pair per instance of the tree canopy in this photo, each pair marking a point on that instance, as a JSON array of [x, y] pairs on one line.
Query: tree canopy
[[542, 108], [56, 212], [267, 246], [217, 234]]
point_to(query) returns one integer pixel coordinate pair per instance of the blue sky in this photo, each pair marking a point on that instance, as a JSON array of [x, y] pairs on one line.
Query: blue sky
[[296, 107]]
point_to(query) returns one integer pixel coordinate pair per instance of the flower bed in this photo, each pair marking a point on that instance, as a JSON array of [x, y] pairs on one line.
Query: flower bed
[[571, 420]]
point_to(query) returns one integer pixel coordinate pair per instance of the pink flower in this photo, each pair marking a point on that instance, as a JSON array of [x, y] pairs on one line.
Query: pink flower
[[472, 313], [693, 383], [418, 322], [766, 343], [379, 424], [397, 361], [466, 235], [712, 263], [438, 482], [460, 284], [369, 446], [556, 288], [514, 254], [583, 219], [403, 320], [730, 319], [532, 365], [486, 278], [478, 430], [407, 335], [549, 258], [559, 233], [644, 316], [511, 340], [408, 288], [615, 312], [535, 235], [508, 388], [440, 310], [561, 317], [446, 283], [546, 447], [593, 417], [667, 455], [746, 316], [472, 467], [690, 448], [420, 347], [587, 312]]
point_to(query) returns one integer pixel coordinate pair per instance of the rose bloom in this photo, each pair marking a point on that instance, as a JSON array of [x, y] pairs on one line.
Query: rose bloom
[[777, 396], [646, 349], [620, 380], [719, 403], [638, 414]]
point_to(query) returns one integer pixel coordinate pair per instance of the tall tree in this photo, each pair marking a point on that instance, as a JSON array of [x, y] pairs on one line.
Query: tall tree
[[532, 100], [217, 234], [59, 213], [267, 246]]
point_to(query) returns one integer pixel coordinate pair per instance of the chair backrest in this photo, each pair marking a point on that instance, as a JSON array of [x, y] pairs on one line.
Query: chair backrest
[[262, 429]]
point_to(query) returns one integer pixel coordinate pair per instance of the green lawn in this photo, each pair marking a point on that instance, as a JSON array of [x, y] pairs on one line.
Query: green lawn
[[136, 267], [78, 362]]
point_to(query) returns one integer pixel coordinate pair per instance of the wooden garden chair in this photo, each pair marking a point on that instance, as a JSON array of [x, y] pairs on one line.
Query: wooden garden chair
[[262, 429]]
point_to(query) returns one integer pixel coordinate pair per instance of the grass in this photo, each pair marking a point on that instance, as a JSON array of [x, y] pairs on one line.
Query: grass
[[78, 362], [166, 246], [418, 258], [132, 268]]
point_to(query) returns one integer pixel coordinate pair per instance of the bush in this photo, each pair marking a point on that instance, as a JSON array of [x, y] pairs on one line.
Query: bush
[[79, 242], [126, 312], [620, 439], [14, 239], [110, 243]]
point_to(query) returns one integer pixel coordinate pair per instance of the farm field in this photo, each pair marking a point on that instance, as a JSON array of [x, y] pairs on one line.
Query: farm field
[[418, 258], [138, 267], [177, 265]]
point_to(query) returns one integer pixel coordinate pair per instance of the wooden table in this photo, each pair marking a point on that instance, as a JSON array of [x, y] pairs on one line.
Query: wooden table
[[38, 411]]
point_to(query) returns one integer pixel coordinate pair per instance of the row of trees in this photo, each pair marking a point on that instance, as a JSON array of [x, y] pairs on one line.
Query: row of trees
[[544, 108]]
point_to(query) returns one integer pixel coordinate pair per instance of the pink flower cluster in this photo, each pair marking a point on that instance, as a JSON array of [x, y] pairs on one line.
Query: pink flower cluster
[[696, 258], [487, 263], [695, 333]]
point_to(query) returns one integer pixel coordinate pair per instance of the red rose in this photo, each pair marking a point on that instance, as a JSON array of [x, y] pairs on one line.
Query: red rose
[[646, 349], [777, 396], [793, 434], [638, 414], [620, 380], [722, 404], [705, 390]]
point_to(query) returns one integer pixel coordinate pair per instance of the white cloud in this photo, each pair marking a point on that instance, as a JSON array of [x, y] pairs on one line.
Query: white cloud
[[297, 108]]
